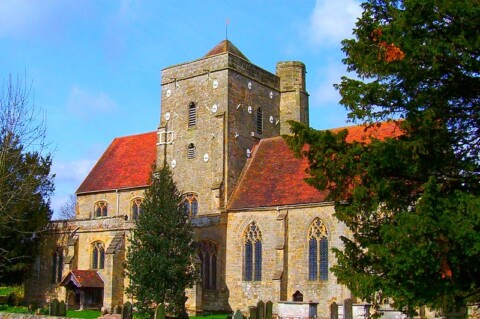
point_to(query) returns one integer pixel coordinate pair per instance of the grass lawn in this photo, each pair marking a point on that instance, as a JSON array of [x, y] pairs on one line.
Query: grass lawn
[[84, 314], [5, 291], [216, 316]]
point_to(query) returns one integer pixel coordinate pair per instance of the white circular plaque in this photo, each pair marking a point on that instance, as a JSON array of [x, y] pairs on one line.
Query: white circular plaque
[[250, 110], [167, 116], [206, 158], [169, 92], [271, 119], [249, 85], [214, 108], [174, 163], [215, 84]]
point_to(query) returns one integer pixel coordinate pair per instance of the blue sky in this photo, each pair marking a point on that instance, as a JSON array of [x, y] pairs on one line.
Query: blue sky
[[95, 65]]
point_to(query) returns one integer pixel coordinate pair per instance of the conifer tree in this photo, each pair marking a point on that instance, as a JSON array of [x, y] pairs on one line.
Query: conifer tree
[[411, 202], [161, 252]]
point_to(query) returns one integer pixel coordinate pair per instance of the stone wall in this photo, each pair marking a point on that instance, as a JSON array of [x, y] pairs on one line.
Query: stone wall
[[285, 257]]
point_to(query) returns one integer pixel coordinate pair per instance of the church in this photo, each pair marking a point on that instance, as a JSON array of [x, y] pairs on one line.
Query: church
[[262, 232]]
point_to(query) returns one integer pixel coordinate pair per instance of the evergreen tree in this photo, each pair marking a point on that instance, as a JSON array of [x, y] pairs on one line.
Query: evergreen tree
[[160, 257], [411, 202], [25, 181]]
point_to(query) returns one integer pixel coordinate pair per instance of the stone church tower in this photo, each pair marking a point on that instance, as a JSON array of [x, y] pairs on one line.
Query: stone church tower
[[214, 111]]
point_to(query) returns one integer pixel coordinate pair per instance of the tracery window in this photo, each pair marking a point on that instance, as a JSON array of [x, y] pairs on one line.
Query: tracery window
[[190, 204], [259, 121], [191, 151], [57, 265], [192, 114], [317, 251], [207, 251], [98, 255], [101, 209], [253, 253], [136, 208]]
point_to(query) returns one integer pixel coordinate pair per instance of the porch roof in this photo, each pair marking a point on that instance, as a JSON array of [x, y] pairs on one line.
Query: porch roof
[[83, 279]]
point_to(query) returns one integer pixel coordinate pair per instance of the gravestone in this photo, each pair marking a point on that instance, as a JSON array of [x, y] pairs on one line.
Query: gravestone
[[62, 309], [348, 309], [334, 310], [53, 308], [260, 310], [160, 311], [127, 311], [269, 310], [238, 315], [252, 312]]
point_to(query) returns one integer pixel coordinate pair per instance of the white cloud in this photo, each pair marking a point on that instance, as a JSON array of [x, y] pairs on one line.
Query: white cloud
[[333, 21], [324, 93], [87, 104]]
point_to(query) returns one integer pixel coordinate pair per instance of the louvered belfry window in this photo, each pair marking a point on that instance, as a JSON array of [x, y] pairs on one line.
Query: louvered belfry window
[[192, 115], [259, 121], [317, 251], [191, 151]]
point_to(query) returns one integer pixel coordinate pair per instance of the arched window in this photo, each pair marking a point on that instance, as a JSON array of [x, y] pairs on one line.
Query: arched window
[[190, 204], [259, 121], [136, 208], [253, 253], [57, 265], [317, 251], [98, 255], [207, 251], [191, 151], [192, 115], [101, 209]]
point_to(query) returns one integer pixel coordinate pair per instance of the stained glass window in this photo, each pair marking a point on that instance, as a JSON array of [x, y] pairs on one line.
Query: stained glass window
[[317, 251], [253, 253]]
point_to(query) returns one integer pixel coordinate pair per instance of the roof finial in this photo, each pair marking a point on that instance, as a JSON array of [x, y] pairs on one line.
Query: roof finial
[[227, 22]]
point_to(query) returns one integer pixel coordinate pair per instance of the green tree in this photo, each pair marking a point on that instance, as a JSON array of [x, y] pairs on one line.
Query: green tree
[[412, 202], [25, 180], [161, 254]]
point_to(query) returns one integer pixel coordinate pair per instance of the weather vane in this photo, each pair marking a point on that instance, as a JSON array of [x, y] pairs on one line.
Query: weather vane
[[227, 22]]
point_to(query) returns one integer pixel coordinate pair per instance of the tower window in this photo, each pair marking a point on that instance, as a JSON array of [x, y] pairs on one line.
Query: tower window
[[259, 121], [317, 251], [192, 115], [190, 204], [101, 209], [253, 253], [191, 151]]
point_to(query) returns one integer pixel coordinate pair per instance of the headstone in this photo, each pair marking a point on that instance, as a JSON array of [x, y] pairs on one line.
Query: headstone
[[127, 312], [53, 308], [334, 310], [269, 310], [348, 309], [260, 310], [117, 309], [238, 315], [252, 311], [62, 309], [160, 311]]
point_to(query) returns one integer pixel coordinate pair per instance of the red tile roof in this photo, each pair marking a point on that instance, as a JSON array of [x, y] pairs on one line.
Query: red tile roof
[[126, 163], [275, 177], [83, 279], [226, 46]]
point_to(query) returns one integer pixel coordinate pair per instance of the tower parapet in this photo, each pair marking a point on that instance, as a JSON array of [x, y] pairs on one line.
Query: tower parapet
[[293, 94]]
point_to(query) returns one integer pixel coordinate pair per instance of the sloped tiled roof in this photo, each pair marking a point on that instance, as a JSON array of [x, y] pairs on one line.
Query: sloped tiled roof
[[226, 46], [126, 163], [116, 243], [83, 279], [275, 177]]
